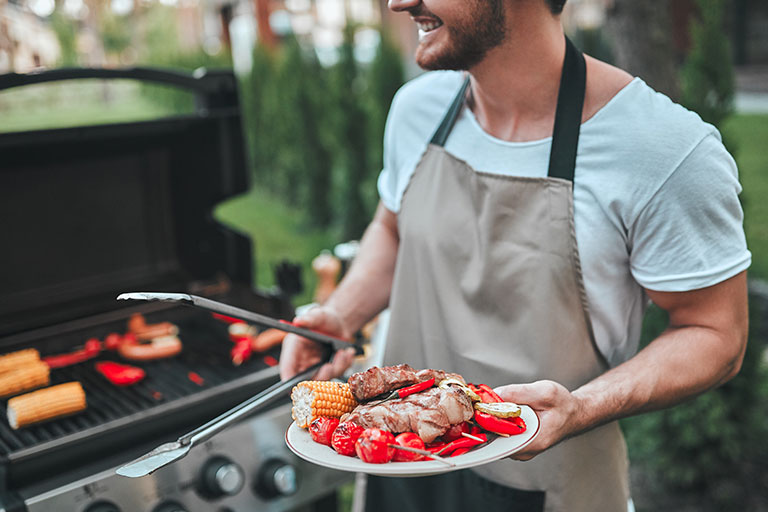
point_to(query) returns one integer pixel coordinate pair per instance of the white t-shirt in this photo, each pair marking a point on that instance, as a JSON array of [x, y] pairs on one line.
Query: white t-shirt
[[655, 194]]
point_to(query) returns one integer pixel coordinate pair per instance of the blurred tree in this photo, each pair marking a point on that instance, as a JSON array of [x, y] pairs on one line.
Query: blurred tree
[[351, 130], [641, 40], [65, 29], [707, 75], [116, 35], [384, 78]]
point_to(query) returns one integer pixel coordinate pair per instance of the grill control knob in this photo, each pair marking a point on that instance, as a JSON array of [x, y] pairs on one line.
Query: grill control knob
[[103, 506], [277, 478], [221, 477], [169, 506]]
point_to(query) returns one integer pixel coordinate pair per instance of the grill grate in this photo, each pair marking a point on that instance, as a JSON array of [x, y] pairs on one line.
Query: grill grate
[[206, 353]]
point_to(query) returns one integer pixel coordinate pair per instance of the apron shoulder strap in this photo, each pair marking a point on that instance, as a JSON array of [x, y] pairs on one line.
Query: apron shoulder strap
[[570, 102], [441, 135]]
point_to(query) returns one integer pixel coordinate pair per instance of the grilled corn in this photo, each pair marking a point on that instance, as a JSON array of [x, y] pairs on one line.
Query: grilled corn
[[315, 398], [18, 359], [46, 404], [29, 376]]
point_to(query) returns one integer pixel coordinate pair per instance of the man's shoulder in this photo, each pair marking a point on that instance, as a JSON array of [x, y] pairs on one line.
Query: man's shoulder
[[427, 96], [639, 117]]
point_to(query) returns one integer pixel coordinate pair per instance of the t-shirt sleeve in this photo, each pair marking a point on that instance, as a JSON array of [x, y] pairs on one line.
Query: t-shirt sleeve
[[690, 234]]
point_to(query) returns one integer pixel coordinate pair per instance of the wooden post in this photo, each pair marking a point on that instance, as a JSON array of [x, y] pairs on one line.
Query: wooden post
[[266, 36]]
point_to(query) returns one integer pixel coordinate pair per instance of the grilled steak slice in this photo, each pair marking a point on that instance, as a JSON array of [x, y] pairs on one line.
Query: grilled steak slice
[[439, 376], [428, 414], [375, 381]]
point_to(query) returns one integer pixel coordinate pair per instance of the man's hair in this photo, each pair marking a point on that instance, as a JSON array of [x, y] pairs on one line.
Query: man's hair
[[556, 6]]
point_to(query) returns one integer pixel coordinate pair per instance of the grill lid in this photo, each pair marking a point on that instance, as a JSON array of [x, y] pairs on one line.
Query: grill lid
[[89, 212]]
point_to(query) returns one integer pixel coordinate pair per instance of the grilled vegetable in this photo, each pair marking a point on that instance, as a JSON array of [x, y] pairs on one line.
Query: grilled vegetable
[[408, 440], [19, 358], [375, 446], [344, 438], [499, 409], [503, 426], [26, 377], [321, 429], [120, 374], [315, 398], [46, 404], [91, 349]]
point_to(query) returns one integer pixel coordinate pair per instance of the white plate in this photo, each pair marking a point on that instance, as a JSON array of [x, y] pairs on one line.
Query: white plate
[[300, 442]]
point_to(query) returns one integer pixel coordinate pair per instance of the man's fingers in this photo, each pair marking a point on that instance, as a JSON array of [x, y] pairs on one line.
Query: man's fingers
[[542, 393]]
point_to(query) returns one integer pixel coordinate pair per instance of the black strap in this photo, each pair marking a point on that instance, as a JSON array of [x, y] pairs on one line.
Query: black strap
[[441, 135], [570, 101]]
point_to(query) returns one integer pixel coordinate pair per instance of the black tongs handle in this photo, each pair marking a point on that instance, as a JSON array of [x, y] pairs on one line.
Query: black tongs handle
[[256, 318]]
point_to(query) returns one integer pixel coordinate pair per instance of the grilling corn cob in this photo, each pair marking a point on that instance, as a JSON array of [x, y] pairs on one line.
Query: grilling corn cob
[[46, 404], [18, 359], [24, 378], [315, 398]]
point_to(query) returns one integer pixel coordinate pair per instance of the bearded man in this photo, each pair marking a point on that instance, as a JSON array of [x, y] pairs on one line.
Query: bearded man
[[533, 200]]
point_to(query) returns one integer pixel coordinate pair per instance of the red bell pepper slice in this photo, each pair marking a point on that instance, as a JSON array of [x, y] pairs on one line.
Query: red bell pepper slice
[[505, 426], [120, 374], [91, 349]]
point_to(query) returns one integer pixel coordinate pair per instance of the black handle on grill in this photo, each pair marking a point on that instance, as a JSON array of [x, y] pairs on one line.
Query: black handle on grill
[[213, 88]]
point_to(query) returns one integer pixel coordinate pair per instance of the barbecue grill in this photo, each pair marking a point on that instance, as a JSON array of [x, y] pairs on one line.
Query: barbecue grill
[[90, 212]]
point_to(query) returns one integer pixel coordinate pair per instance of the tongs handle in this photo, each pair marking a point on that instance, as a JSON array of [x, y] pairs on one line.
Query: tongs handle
[[226, 309], [269, 395]]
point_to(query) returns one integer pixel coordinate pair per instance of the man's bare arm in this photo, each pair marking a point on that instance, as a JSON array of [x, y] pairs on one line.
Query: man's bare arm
[[365, 289], [362, 294], [702, 348]]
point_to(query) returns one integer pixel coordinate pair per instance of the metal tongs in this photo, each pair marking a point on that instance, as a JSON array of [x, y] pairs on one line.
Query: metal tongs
[[173, 451]]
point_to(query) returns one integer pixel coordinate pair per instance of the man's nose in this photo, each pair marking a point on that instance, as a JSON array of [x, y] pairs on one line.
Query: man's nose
[[402, 5]]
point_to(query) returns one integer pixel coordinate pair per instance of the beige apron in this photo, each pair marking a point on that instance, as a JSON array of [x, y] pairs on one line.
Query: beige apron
[[488, 284]]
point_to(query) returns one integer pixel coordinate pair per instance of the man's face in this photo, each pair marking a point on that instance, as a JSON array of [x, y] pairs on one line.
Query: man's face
[[454, 34]]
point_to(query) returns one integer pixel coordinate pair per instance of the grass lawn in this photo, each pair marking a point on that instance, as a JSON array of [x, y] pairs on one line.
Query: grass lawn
[[750, 135], [278, 234]]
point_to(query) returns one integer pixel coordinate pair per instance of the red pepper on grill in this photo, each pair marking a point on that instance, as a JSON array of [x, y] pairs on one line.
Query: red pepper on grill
[[112, 341], [504, 426], [241, 351], [410, 390], [91, 349], [196, 378], [120, 374]]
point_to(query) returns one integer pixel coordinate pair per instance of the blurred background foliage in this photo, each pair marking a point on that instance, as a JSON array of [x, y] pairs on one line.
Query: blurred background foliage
[[314, 134]]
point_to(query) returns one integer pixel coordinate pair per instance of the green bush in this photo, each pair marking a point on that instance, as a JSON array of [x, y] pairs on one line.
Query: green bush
[[315, 134], [710, 451]]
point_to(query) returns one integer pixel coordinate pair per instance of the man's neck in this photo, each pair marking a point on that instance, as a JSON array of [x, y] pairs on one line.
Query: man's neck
[[514, 88]]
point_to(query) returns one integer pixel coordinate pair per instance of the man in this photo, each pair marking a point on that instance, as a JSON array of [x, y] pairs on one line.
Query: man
[[528, 211]]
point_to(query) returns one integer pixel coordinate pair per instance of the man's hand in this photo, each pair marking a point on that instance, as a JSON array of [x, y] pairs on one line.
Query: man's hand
[[556, 407], [299, 353]]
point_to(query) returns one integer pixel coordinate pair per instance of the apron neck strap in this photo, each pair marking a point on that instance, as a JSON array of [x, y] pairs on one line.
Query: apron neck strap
[[570, 101]]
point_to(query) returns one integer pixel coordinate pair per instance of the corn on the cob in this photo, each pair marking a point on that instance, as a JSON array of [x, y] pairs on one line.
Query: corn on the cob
[[24, 378], [17, 359], [315, 398], [46, 404]]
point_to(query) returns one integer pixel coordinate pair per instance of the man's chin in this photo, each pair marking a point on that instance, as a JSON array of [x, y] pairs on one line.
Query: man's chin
[[435, 61]]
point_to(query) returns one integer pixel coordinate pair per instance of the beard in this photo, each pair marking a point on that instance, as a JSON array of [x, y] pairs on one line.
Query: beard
[[468, 42]]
